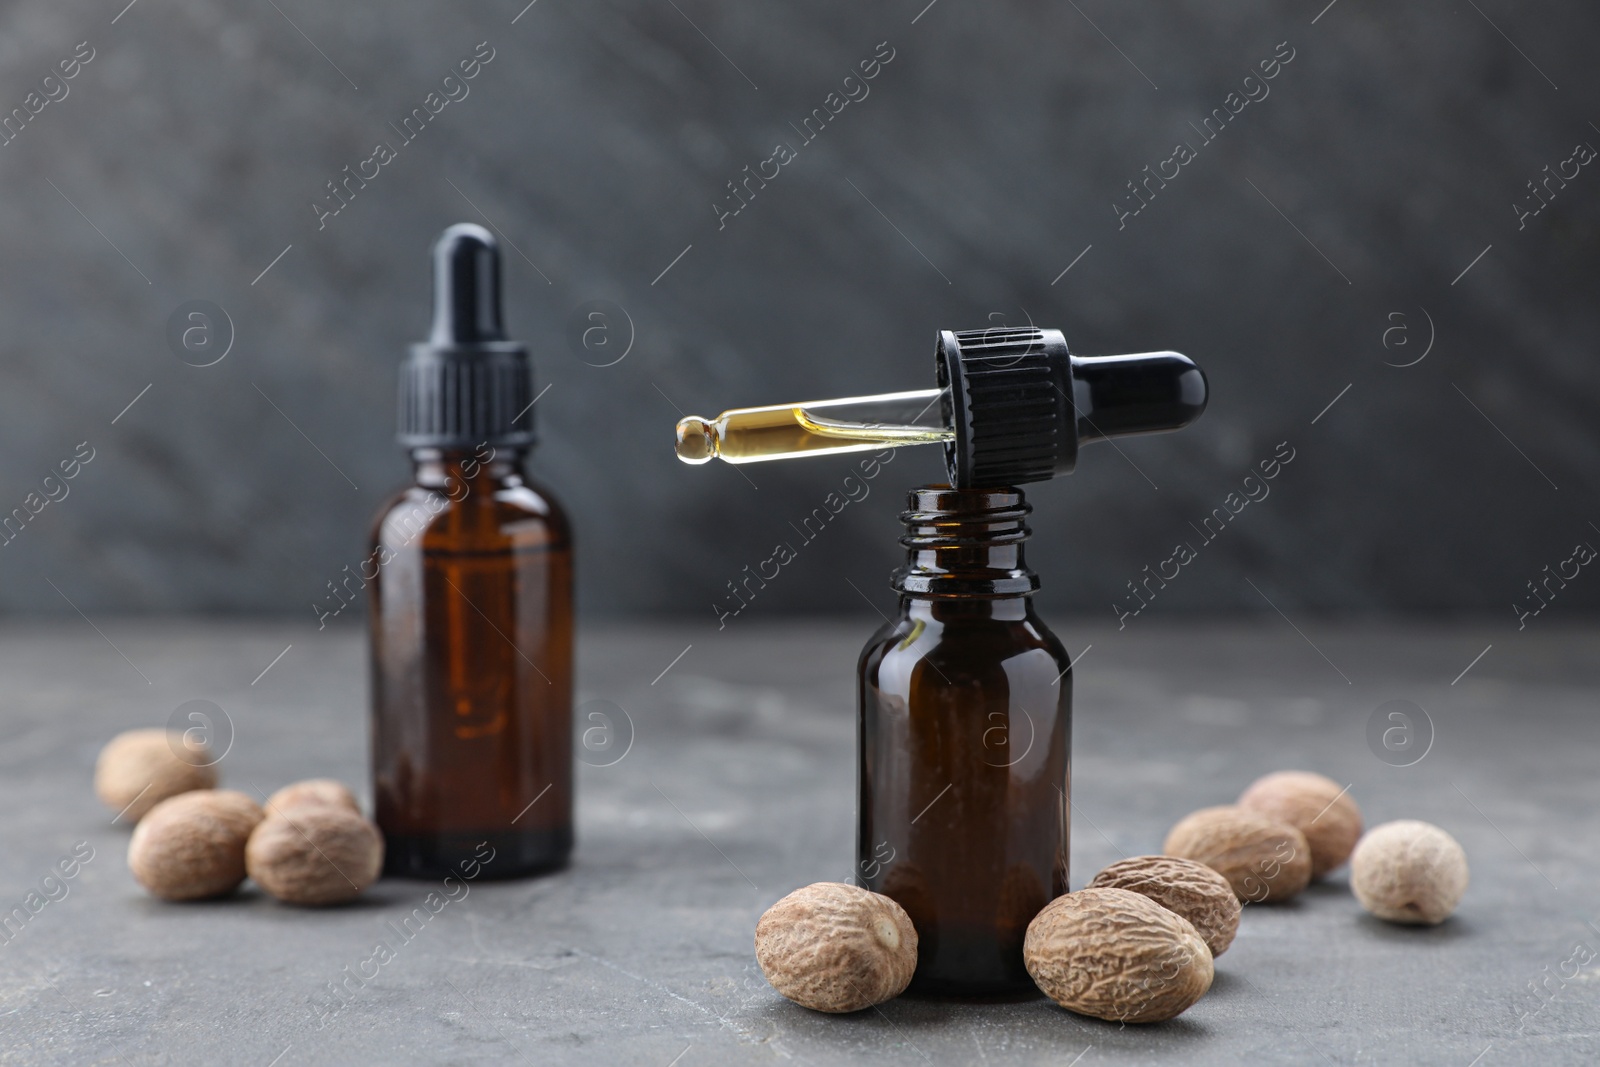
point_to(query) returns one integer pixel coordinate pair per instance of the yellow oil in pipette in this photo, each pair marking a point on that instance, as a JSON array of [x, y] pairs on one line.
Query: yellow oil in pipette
[[815, 428]]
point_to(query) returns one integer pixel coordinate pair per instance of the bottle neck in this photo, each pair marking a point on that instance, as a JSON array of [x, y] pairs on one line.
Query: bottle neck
[[449, 470], [965, 544], [949, 610]]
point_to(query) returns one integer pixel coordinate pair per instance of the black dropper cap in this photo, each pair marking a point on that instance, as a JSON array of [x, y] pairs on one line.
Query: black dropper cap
[[1020, 403], [466, 385]]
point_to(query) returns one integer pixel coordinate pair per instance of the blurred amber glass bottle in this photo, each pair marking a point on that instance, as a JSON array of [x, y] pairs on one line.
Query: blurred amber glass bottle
[[471, 609]]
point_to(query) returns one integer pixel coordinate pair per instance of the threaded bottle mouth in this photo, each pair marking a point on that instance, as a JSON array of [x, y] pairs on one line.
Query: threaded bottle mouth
[[965, 543], [940, 516]]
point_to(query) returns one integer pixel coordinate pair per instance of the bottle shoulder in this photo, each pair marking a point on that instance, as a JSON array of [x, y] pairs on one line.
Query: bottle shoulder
[[532, 498], [963, 648], [519, 511]]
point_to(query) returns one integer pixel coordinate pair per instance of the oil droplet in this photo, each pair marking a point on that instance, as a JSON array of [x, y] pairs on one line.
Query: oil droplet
[[697, 440]]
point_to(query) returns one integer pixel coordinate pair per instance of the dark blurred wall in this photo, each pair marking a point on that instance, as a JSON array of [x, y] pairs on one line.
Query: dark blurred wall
[[1311, 240]]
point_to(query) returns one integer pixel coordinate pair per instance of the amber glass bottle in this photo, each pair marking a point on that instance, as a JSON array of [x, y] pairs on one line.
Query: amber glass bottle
[[965, 720], [471, 606]]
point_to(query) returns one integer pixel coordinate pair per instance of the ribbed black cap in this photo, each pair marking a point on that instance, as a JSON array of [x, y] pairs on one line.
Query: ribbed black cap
[[1010, 393], [1020, 403], [467, 384]]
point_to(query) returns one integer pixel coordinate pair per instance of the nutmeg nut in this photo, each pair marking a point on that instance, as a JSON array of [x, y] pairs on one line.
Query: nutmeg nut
[[138, 769], [1409, 872], [191, 846], [313, 791], [1314, 804], [837, 948], [314, 854], [1118, 955], [1184, 887], [1264, 860]]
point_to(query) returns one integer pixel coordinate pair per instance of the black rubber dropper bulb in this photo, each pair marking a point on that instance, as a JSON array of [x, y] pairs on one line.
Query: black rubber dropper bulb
[[467, 385], [466, 287], [1151, 392]]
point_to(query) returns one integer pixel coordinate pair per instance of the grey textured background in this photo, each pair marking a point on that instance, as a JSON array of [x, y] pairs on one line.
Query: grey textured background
[[995, 143]]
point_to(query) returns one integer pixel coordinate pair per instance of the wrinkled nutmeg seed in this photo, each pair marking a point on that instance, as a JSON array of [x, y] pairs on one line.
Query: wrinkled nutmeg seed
[[1317, 806], [324, 791], [1262, 859], [139, 769], [836, 948], [1184, 887], [315, 854], [1409, 872], [191, 846], [1117, 955]]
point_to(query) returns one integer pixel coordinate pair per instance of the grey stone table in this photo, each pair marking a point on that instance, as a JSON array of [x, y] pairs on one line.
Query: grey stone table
[[738, 787]]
